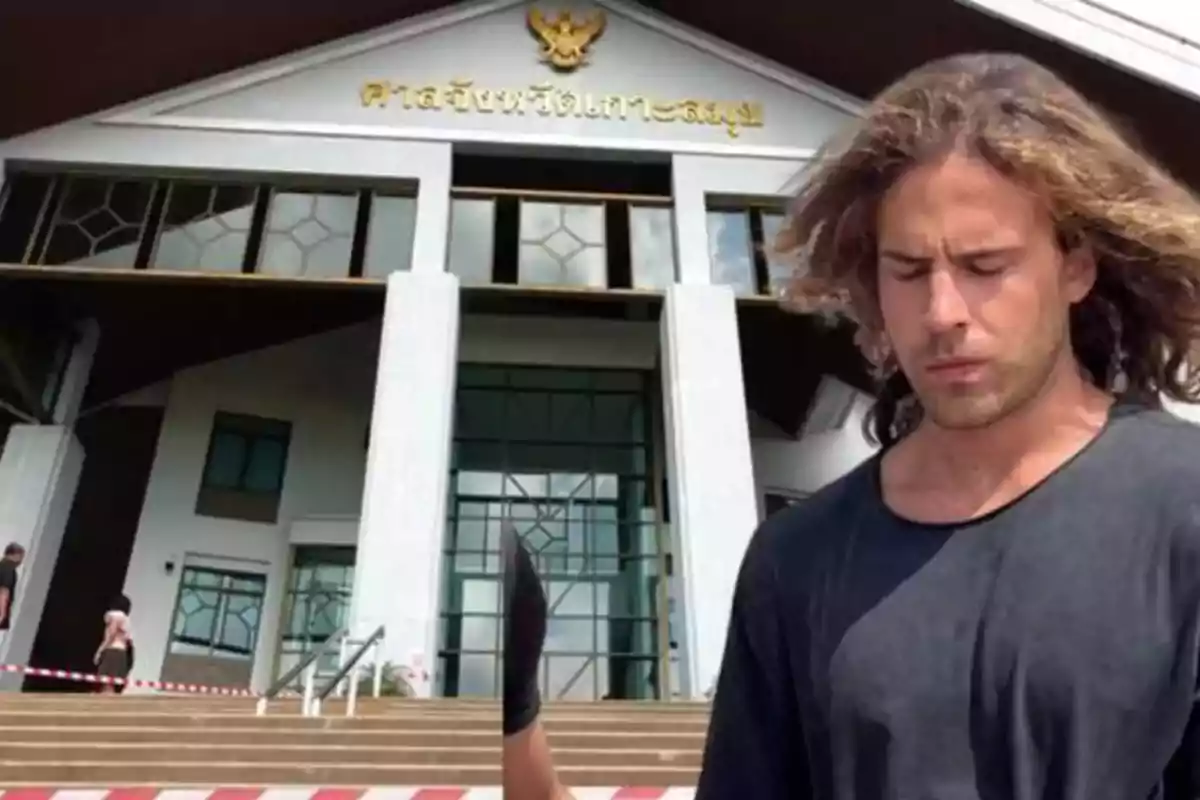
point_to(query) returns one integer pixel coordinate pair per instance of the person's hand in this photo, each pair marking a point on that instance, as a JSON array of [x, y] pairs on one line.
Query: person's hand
[[525, 634]]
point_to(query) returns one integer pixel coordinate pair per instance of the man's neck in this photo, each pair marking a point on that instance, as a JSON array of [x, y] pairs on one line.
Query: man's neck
[[1008, 457]]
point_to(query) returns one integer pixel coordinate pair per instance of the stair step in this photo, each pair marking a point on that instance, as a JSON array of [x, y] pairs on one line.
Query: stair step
[[140, 740], [449, 737], [346, 774]]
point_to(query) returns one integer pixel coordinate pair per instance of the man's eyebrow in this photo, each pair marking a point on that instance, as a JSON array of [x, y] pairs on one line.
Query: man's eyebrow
[[962, 255], [904, 258]]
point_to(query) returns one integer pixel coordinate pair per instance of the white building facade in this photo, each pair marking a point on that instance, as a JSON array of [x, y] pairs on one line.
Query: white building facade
[[359, 476]]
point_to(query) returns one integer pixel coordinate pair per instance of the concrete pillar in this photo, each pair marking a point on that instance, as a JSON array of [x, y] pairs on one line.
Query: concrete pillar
[[39, 473], [400, 538], [431, 230], [710, 471]]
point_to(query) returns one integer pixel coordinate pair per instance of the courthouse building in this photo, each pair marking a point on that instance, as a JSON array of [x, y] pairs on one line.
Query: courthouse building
[[284, 350]]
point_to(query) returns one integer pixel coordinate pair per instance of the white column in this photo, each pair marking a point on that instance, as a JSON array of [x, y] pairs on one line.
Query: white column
[[431, 228], [710, 472], [398, 575], [691, 222], [39, 473]]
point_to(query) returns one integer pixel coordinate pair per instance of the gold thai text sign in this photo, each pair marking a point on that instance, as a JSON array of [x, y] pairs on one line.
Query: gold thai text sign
[[545, 99]]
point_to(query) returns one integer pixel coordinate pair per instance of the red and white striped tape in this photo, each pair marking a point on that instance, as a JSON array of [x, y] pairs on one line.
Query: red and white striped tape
[[318, 793], [105, 680]]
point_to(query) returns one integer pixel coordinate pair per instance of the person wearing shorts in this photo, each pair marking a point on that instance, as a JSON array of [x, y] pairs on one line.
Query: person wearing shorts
[[114, 657]]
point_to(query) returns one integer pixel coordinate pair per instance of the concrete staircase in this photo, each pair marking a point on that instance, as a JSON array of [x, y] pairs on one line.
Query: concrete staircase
[[69, 740], [622, 743]]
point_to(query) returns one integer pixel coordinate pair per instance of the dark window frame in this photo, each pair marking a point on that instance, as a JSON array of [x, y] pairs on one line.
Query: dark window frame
[[754, 211], [224, 589], [241, 501], [25, 237]]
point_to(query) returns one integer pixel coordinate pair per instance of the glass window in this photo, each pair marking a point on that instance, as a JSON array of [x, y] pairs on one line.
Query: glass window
[[390, 236], [731, 248], [472, 235], [309, 235], [652, 246], [98, 223], [562, 244], [741, 246], [205, 227], [218, 613], [779, 267], [244, 471]]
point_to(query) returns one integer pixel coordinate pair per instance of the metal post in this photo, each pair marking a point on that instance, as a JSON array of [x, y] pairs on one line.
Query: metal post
[[352, 692], [306, 702], [343, 647], [377, 683]]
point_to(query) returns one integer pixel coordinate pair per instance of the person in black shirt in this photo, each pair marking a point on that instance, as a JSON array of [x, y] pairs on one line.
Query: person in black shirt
[[14, 554], [1004, 603], [528, 769]]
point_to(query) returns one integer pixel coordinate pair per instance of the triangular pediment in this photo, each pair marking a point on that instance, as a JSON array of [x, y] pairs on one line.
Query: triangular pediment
[[475, 73]]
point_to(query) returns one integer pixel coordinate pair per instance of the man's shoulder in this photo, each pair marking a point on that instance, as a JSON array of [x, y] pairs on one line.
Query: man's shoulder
[[8, 574], [820, 518], [1156, 460], [1155, 445]]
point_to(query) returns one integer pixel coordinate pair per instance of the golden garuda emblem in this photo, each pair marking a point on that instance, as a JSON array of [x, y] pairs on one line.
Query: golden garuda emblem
[[565, 42]]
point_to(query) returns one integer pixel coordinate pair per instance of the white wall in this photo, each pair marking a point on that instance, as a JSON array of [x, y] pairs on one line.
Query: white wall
[[326, 395], [789, 466]]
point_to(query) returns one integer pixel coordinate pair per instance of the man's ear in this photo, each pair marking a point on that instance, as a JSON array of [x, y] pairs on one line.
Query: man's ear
[[1079, 272]]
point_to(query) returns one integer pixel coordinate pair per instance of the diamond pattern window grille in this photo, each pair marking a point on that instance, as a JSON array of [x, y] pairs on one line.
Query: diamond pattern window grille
[[98, 223], [562, 244]]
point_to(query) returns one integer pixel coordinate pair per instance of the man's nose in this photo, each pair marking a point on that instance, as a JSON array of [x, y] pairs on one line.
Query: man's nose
[[947, 309]]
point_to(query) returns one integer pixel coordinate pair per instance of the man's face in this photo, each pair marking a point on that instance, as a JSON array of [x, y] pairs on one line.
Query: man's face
[[17, 558], [974, 291]]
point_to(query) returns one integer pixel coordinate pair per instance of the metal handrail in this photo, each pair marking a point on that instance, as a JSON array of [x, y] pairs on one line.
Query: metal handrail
[[350, 668], [309, 660]]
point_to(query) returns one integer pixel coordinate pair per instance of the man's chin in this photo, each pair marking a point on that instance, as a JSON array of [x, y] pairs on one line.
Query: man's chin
[[965, 413]]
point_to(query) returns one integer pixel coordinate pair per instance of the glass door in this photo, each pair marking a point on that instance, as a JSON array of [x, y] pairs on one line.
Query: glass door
[[317, 603], [560, 455]]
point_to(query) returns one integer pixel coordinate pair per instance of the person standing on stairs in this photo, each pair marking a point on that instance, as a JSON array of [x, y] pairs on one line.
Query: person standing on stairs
[[14, 554], [528, 768], [114, 656]]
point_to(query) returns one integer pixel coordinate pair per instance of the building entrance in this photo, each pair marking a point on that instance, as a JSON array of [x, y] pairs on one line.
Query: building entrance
[[566, 457], [317, 604]]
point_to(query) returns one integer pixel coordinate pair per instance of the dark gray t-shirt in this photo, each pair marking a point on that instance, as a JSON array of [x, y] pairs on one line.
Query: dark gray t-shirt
[[1048, 650]]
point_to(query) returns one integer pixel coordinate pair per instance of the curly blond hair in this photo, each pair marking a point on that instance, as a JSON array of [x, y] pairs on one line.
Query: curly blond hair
[[1135, 333]]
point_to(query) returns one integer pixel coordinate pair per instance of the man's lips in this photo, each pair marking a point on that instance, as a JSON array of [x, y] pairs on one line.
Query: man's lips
[[954, 366]]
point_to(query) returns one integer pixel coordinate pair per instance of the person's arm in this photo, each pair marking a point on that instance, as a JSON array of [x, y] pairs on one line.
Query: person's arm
[[528, 768], [755, 746], [528, 772]]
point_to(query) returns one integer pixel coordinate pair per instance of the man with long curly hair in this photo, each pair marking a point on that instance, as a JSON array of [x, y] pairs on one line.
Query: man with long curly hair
[[1004, 603]]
